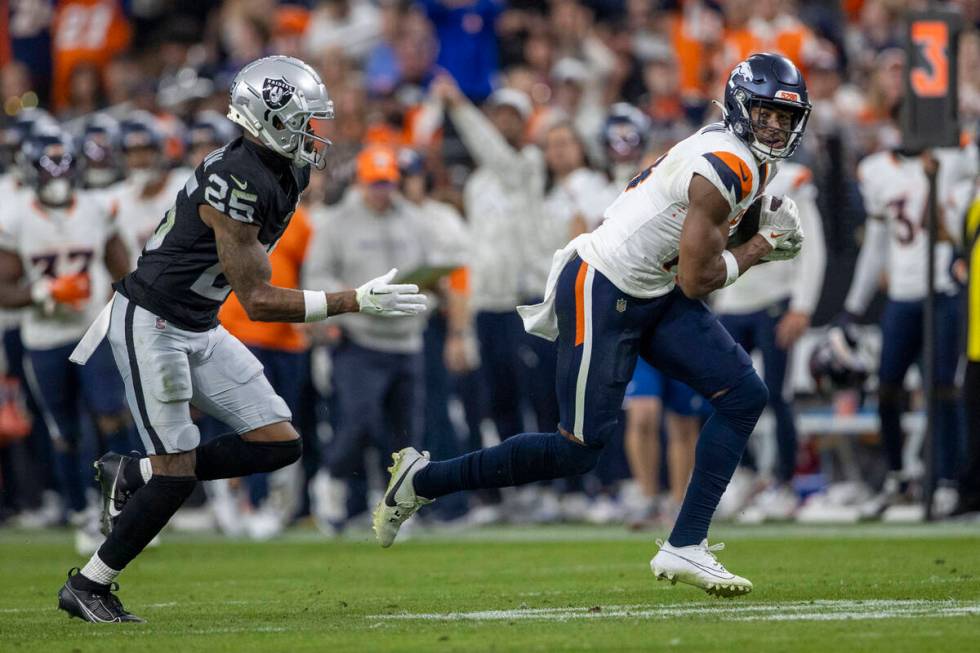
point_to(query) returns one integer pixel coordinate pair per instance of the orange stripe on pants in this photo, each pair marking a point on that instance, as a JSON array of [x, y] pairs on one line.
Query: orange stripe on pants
[[580, 304]]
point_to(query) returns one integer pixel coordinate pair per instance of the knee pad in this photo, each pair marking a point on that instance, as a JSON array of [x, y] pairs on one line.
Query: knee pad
[[575, 458], [277, 455], [744, 400]]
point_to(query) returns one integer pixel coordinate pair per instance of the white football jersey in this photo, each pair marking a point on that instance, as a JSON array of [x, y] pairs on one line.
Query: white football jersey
[[637, 246], [139, 216], [56, 242], [895, 190], [9, 187]]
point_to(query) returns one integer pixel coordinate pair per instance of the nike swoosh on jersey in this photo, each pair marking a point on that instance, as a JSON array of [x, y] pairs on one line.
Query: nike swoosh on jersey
[[732, 172], [241, 184]]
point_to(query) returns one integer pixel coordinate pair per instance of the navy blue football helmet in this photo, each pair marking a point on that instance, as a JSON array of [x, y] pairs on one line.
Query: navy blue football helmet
[[766, 80], [98, 148], [625, 133], [210, 128], [141, 129], [48, 164], [14, 133]]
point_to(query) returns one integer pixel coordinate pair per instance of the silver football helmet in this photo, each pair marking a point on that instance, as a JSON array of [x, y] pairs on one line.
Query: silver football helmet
[[281, 101]]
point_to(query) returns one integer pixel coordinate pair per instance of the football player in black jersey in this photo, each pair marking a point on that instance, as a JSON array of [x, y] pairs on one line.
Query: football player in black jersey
[[163, 327]]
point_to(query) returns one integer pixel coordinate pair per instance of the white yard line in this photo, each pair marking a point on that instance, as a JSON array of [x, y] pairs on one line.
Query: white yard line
[[794, 611]]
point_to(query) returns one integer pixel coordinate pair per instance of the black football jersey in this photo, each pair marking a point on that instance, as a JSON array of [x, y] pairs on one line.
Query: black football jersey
[[178, 276]]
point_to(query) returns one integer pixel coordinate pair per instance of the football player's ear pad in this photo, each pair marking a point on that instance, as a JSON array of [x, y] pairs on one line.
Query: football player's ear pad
[[749, 226]]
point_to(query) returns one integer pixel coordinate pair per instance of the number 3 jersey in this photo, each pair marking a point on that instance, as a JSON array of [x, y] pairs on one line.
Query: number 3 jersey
[[178, 276], [53, 242], [637, 245]]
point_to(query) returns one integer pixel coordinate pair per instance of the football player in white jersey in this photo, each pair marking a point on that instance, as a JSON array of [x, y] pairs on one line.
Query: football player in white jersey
[[633, 288], [768, 310], [59, 253], [149, 188], [895, 189]]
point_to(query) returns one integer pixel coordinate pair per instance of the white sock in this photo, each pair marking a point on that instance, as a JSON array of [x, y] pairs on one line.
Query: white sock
[[146, 469], [99, 572]]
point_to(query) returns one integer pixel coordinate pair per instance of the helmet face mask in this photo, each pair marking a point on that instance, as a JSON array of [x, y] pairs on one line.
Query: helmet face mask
[[50, 168], [767, 82], [282, 103]]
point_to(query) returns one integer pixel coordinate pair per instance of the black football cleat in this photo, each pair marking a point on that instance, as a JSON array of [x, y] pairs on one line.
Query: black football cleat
[[96, 607], [115, 493]]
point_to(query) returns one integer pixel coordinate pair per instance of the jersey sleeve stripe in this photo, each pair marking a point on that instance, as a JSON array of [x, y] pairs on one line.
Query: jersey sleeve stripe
[[580, 304], [734, 174]]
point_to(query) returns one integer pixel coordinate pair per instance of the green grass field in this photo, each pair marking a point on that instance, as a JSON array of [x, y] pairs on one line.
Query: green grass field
[[867, 588]]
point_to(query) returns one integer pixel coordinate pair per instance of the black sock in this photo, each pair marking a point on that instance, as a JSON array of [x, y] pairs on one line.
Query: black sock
[[132, 475], [145, 514], [229, 456], [80, 582]]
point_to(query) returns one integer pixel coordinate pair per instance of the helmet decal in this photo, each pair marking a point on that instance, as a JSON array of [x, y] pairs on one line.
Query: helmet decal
[[743, 71], [277, 92]]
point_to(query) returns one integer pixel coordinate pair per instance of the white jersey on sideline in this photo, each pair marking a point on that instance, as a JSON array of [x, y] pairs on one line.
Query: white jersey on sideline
[[9, 188], [895, 190], [583, 194], [139, 216], [55, 242], [799, 280], [637, 246]]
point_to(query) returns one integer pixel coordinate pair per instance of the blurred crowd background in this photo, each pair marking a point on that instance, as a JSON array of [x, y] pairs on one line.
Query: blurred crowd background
[[472, 138]]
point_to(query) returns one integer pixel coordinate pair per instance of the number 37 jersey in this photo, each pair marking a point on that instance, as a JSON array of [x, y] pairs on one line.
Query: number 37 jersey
[[638, 244], [178, 276], [54, 242]]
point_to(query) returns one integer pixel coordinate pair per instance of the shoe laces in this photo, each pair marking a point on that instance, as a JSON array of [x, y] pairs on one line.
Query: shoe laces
[[709, 550]]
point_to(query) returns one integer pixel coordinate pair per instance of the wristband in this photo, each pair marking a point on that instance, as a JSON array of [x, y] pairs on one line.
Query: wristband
[[731, 267], [316, 305]]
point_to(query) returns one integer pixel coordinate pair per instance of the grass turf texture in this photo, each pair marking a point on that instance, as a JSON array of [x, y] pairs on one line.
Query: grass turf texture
[[849, 589]]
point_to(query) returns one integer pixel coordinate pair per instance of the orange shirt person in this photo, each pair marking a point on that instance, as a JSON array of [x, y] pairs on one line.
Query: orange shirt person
[[84, 32]]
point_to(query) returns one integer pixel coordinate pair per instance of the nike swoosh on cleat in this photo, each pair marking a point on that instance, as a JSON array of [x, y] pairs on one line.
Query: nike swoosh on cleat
[[113, 511], [702, 567], [773, 234], [390, 497]]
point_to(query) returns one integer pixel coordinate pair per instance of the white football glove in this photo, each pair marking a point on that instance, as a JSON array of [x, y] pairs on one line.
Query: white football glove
[[788, 249], [381, 297], [779, 222]]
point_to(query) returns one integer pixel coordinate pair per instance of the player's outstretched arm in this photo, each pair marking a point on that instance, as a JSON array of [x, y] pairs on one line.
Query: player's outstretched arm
[[13, 293], [246, 265], [704, 265]]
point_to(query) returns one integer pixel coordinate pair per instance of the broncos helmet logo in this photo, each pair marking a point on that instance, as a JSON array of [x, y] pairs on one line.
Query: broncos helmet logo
[[743, 71]]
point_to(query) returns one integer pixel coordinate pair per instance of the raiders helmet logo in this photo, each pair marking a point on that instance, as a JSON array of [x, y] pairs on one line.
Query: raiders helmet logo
[[277, 92]]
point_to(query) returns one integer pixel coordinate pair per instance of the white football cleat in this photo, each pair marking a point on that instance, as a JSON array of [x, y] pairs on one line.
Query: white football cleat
[[400, 501], [696, 565]]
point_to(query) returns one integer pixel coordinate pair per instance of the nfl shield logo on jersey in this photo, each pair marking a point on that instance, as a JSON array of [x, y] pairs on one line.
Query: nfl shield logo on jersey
[[620, 305], [277, 92]]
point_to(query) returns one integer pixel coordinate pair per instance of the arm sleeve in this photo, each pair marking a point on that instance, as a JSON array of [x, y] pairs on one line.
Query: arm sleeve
[[812, 262], [870, 262], [321, 270]]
